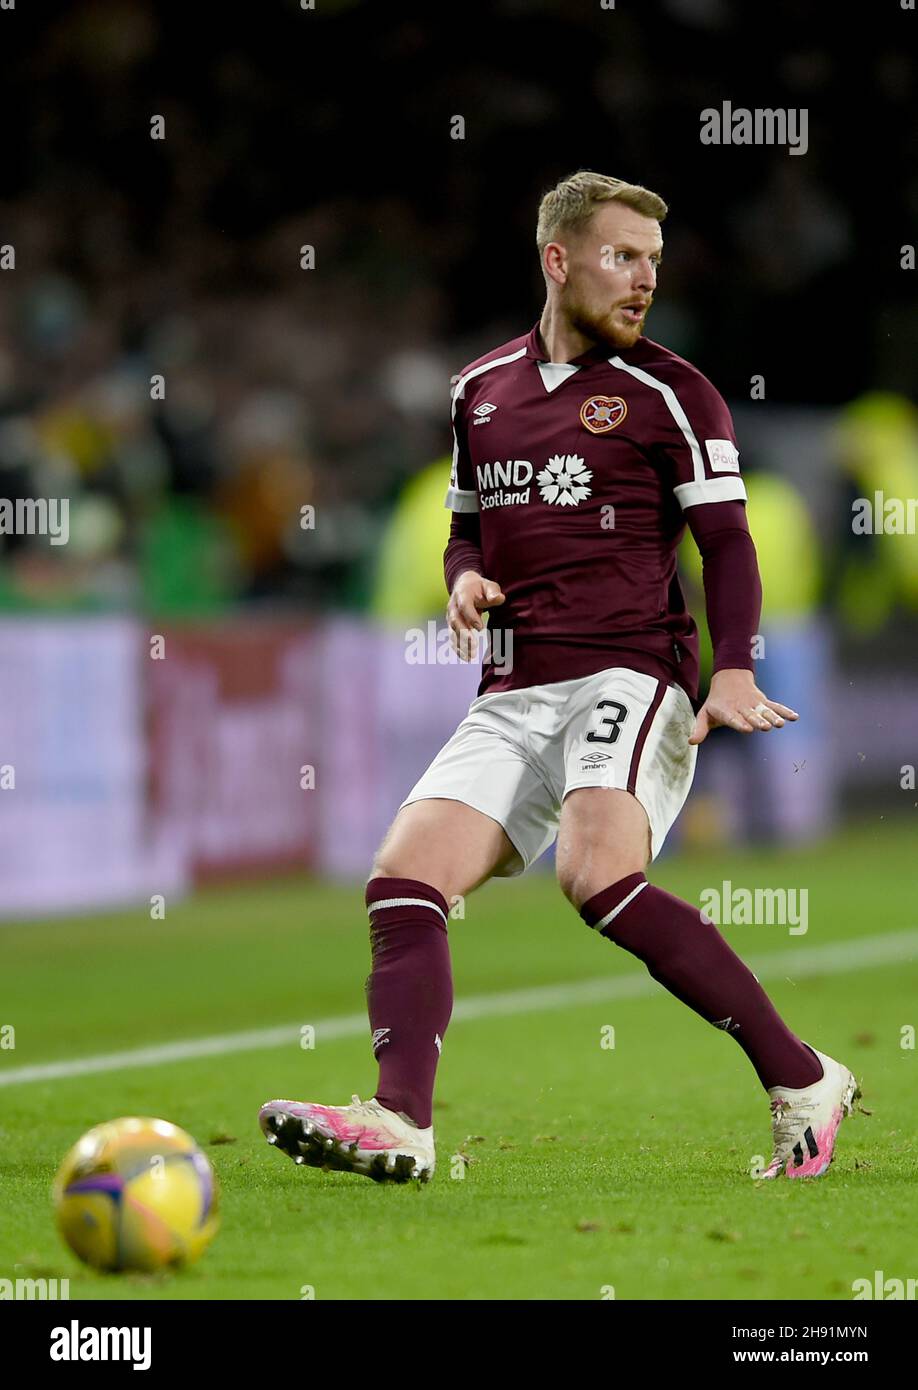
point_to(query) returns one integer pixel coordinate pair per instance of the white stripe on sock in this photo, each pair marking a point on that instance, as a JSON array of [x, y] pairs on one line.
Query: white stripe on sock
[[610, 916], [796, 963], [409, 902]]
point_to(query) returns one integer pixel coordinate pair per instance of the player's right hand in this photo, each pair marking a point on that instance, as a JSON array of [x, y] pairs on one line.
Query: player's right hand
[[471, 595]]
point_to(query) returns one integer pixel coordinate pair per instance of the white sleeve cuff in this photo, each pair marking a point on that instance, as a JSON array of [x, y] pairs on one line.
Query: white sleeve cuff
[[711, 490], [460, 500]]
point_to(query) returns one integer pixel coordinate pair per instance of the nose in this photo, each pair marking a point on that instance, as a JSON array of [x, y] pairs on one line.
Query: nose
[[645, 276]]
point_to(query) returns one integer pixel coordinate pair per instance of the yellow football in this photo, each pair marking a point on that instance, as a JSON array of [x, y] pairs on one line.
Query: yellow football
[[138, 1194]]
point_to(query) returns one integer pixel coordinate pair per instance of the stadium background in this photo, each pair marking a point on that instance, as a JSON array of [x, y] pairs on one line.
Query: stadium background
[[141, 772]]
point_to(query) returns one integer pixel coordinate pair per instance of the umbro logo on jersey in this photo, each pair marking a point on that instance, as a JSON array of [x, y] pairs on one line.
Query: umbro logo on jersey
[[380, 1037], [602, 413], [483, 413]]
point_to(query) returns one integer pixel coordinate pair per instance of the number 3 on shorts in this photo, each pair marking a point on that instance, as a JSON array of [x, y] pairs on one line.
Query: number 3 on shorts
[[611, 721]]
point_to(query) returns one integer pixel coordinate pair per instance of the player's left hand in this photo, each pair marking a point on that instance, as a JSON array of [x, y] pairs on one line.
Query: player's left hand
[[736, 702]]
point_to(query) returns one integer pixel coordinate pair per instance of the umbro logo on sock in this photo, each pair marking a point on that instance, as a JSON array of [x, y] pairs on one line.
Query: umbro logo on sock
[[727, 1025], [379, 1037], [438, 1042]]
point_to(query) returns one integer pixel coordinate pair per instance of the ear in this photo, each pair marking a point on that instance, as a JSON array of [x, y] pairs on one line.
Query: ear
[[554, 262]]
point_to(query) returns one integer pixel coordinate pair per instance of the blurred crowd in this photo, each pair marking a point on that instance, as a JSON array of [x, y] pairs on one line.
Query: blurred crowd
[[168, 364]]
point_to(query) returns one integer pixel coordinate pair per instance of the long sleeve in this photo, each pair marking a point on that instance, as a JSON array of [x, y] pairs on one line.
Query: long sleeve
[[700, 443], [463, 549], [732, 587]]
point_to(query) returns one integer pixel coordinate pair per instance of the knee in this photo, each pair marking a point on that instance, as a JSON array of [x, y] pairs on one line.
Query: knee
[[604, 836], [578, 885], [580, 878], [384, 866], [388, 866]]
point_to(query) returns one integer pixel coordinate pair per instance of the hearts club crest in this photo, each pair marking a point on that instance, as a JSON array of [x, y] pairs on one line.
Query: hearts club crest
[[602, 413]]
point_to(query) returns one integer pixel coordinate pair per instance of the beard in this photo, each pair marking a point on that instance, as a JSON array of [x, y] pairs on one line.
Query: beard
[[605, 326]]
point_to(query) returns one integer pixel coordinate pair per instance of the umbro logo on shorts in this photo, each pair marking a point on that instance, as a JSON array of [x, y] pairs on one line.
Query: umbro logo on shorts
[[593, 759]]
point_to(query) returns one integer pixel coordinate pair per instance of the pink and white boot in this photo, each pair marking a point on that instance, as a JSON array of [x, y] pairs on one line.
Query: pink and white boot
[[363, 1137], [805, 1122]]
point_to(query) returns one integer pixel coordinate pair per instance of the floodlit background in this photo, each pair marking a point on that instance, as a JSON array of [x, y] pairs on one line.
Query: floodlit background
[[168, 365]]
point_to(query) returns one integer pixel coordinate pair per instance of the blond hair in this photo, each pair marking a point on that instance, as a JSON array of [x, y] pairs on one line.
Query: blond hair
[[569, 206]]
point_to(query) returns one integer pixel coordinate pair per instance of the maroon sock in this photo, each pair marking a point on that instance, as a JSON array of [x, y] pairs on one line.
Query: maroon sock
[[409, 992], [688, 955]]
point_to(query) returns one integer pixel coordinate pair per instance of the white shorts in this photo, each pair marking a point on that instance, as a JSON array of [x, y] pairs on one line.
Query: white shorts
[[517, 754]]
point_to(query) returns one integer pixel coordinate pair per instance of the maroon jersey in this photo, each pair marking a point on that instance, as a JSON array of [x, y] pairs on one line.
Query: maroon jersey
[[581, 478]]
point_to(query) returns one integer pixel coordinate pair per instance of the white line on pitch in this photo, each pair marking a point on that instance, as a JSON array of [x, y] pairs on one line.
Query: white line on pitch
[[797, 963]]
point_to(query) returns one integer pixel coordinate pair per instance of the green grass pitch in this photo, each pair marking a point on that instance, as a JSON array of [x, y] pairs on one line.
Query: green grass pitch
[[565, 1168]]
